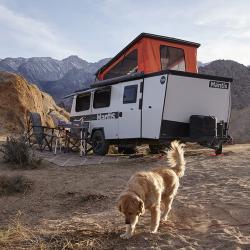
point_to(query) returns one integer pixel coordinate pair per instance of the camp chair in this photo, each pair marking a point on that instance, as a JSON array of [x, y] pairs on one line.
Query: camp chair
[[37, 134], [78, 137]]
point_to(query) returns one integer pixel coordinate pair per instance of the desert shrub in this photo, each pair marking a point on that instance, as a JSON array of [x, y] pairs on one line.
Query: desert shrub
[[18, 152], [14, 184]]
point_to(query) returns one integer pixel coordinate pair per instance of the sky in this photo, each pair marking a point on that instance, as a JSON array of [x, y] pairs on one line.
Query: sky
[[97, 29]]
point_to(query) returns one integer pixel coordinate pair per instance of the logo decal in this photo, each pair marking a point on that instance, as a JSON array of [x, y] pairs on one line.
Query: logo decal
[[100, 116], [106, 116], [218, 85], [163, 80]]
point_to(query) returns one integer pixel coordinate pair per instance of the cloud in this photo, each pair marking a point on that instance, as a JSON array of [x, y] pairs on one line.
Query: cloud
[[225, 31], [100, 28], [226, 17], [31, 34]]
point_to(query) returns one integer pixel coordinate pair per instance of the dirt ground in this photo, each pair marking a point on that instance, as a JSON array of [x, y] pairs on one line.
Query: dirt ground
[[75, 207]]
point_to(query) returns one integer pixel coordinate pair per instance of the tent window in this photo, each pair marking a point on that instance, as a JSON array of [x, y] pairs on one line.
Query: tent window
[[83, 102], [172, 58], [102, 98], [128, 65], [130, 94]]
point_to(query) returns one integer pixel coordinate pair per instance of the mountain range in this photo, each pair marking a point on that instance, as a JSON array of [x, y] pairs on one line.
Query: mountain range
[[61, 77], [56, 77]]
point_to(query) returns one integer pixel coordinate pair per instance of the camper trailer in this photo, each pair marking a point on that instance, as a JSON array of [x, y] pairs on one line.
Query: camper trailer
[[151, 93]]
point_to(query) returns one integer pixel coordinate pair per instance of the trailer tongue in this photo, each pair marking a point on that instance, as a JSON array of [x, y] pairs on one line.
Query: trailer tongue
[[151, 93]]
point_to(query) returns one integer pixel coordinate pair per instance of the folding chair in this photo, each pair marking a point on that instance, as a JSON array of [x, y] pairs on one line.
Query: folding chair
[[78, 137], [37, 134]]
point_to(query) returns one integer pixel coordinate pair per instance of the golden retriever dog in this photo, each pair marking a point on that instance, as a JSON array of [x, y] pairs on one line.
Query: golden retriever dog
[[151, 189]]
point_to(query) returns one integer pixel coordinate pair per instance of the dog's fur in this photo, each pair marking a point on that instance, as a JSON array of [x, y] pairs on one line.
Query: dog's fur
[[148, 190]]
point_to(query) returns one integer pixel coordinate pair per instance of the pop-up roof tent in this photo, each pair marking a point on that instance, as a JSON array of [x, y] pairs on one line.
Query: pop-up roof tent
[[150, 53]]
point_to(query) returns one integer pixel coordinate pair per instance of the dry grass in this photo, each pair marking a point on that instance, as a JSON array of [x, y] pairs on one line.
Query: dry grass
[[75, 236], [14, 184], [113, 150], [18, 152]]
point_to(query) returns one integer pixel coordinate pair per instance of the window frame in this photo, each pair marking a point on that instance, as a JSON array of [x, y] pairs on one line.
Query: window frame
[[172, 47], [122, 62], [134, 86], [102, 90], [83, 95]]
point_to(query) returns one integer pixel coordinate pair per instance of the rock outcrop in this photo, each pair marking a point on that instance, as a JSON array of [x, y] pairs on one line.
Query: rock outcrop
[[18, 97]]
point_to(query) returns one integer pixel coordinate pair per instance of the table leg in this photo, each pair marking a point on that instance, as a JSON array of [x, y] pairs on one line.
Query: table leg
[[56, 143], [81, 147], [85, 143]]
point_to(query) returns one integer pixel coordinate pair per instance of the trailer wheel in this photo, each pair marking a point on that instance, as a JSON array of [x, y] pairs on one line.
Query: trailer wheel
[[99, 144], [126, 150], [155, 149]]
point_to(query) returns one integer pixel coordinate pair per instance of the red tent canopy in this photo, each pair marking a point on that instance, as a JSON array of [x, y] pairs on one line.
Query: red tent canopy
[[150, 53]]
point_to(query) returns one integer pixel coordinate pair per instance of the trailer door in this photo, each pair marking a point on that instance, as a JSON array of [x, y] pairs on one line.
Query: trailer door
[[129, 110], [152, 108]]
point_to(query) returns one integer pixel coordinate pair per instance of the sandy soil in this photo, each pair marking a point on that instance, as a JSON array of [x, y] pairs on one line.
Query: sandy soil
[[75, 208]]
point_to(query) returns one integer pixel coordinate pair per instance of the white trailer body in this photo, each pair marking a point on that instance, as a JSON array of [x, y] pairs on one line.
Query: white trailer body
[[155, 107]]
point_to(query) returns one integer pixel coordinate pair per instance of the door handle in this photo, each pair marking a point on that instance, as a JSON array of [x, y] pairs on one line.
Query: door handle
[[149, 107]]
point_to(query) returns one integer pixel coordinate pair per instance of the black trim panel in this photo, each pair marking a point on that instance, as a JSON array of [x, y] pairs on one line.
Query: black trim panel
[[118, 79], [136, 76], [141, 75], [189, 74], [174, 129]]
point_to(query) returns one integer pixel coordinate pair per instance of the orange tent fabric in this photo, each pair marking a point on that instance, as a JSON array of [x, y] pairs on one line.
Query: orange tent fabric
[[149, 54]]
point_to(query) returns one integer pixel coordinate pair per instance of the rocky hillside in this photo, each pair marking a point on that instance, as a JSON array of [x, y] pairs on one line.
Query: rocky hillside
[[56, 77], [240, 75], [240, 121], [18, 98], [73, 80], [240, 125]]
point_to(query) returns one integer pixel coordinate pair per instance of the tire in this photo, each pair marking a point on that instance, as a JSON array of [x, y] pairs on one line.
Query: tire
[[99, 144], [154, 149], [126, 150]]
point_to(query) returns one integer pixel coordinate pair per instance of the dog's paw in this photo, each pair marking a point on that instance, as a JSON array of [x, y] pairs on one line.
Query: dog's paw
[[125, 236], [164, 219], [153, 231]]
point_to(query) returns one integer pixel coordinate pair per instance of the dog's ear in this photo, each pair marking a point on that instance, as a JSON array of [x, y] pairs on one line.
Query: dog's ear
[[141, 207]]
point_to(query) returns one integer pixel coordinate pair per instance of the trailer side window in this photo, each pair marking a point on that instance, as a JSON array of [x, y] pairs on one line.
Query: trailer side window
[[102, 98], [172, 58], [82, 102], [128, 65], [130, 94]]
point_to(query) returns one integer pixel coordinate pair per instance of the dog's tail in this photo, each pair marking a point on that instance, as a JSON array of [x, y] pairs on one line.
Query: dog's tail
[[176, 158]]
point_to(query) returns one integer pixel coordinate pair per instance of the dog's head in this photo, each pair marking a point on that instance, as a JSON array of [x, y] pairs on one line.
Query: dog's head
[[131, 206]]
